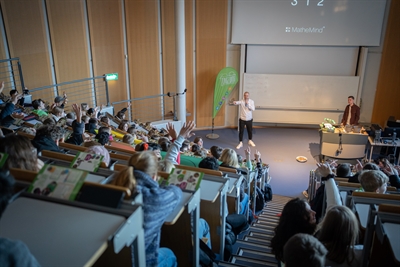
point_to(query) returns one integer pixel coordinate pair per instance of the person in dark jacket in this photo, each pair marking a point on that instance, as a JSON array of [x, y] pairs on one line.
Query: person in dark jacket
[[48, 137], [78, 127], [7, 114]]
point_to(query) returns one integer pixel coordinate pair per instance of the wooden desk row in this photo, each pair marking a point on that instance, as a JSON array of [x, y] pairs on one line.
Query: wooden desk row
[[177, 226]]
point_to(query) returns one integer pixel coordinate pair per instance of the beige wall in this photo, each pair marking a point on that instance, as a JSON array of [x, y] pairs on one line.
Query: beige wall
[[150, 63]]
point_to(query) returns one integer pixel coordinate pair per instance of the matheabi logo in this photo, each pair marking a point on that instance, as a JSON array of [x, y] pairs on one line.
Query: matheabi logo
[[287, 29]]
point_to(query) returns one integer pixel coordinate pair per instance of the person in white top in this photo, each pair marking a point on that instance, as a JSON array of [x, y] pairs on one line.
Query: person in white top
[[246, 118]]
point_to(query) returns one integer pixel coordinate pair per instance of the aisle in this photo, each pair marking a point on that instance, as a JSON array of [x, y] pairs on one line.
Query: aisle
[[253, 246]]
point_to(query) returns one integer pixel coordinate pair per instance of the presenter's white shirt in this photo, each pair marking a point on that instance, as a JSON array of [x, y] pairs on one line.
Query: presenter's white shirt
[[245, 111]]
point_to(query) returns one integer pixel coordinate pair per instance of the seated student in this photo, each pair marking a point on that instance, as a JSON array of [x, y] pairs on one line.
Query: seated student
[[185, 146], [91, 126], [106, 129], [392, 172], [131, 129], [105, 121], [48, 137], [7, 114], [149, 146], [98, 147], [121, 114], [229, 160], [367, 166], [129, 139], [13, 252], [339, 233], [57, 113], [123, 126], [195, 148], [21, 153], [39, 107], [304, 250], [373, 181], [60, 101], [20, 101], [70, 118], [78, 127], [297, 217], [158, 203]]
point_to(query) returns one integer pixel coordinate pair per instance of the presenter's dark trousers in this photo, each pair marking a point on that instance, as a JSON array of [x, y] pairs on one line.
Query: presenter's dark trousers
[[249, 127]]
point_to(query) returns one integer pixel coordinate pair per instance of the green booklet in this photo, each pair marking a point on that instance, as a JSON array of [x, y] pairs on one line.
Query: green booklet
[[87, 161], [3, 158], [184, 179], [58, 182]]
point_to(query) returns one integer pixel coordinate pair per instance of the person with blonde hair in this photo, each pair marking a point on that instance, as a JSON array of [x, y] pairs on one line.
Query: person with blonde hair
[[229, 158], [158, 203], [339, 233], [373, 181], [128, 139]]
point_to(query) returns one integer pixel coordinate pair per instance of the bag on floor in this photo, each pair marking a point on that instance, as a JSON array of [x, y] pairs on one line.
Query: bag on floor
[[259, 199], [267, 190], [206, 255]]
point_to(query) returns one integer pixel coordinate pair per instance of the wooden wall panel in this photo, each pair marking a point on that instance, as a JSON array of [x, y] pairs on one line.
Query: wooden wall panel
[[168, 48], [211, 27], [189, 58], [25, 30], [69, 42], [143, 55], [106, 38], [388, 94]]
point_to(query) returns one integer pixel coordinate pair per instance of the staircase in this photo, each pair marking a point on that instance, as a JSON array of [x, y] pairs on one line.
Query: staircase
[[253, 246]]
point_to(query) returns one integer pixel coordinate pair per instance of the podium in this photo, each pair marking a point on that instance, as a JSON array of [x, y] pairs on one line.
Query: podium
[[343, 145]]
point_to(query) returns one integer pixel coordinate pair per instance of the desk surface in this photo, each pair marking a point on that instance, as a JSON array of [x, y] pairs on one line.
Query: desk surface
[[393, 233], [174, 216], [210, 190], [373, 143], [58, 234]]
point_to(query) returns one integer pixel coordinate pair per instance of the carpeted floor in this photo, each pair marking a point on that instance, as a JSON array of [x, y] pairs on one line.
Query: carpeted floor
[[279, 148]]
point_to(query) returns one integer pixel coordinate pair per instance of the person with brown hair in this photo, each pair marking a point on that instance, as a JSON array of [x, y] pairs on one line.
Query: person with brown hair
[[351, 113], [124, 125], [297, 217], [21, 153], [339, 233]]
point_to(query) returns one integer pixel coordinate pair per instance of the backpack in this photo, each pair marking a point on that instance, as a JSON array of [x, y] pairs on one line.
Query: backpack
[[267, 190], [206, 256], [259, 200]]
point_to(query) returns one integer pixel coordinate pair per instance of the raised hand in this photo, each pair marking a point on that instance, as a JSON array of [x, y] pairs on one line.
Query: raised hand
[[359, 166], [257, 156], [323, 170], [186, 130], [171, 131]]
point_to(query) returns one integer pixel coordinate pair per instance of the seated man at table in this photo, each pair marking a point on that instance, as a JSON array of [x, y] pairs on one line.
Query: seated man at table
[[13, 252], [351, 113]]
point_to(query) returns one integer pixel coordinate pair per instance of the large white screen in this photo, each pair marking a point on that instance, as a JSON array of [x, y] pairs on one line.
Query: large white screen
[[308, 22]]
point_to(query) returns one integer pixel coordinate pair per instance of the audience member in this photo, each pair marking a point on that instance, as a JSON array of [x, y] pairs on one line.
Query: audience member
[[373, 181], [123, 126], [304, 250], [158, 203], [339, 233], [98, 148], [13, 252], [21, 153], [57, 113], [48, 137], [78, 127], [128, 139], [39, 108], [7, 114], [297, 217]]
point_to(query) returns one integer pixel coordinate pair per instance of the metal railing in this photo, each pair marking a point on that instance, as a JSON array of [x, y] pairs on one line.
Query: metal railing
[[93, 91], [151, 108], [11, 74]]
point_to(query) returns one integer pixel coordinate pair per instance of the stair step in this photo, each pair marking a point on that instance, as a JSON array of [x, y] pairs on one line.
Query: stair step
[[251, 262], [261, 235], [253, 246], [257, 240], [258, 255]]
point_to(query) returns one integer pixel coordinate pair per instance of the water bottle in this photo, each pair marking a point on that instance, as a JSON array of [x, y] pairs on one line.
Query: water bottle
[[394, 135]]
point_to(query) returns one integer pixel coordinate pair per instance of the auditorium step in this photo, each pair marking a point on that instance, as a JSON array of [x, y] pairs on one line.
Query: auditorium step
[[252, 249]]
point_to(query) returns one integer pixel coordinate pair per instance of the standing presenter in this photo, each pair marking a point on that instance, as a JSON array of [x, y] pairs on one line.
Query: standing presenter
[[246, 106]]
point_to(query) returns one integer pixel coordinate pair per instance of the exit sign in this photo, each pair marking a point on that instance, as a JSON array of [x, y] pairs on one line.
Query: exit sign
[[112, 76]]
